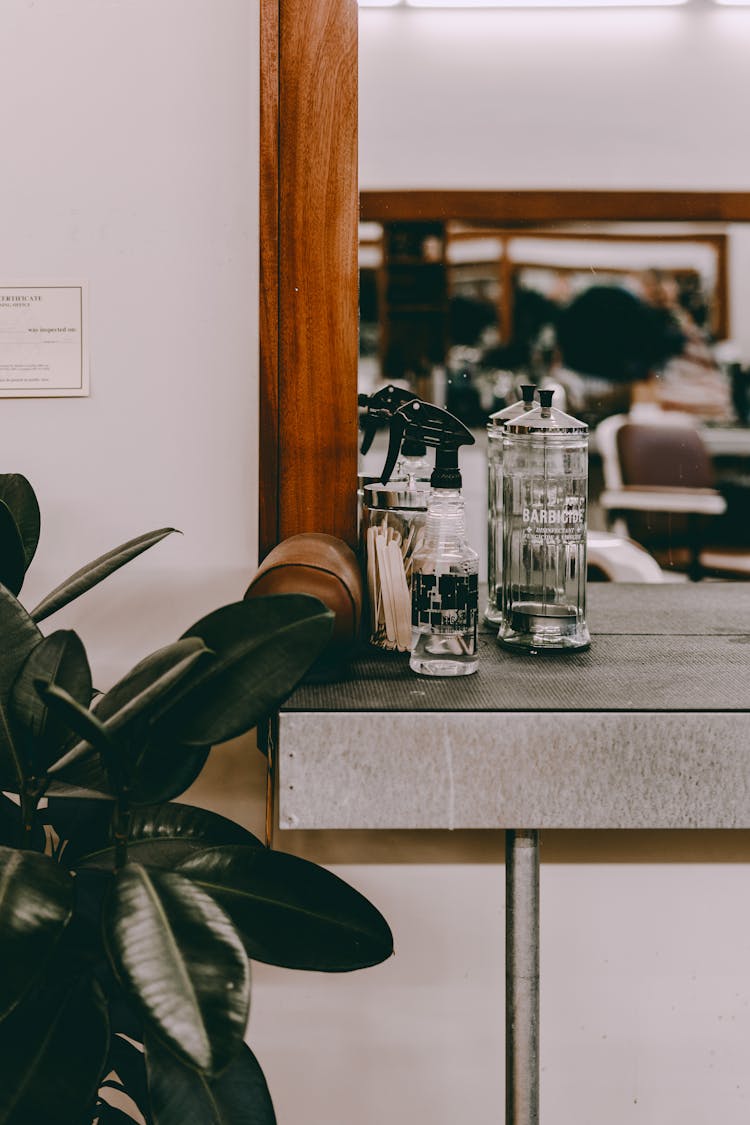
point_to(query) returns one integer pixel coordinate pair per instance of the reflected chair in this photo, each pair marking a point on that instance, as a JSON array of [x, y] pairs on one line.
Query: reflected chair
[[660, 489], [613, 558]]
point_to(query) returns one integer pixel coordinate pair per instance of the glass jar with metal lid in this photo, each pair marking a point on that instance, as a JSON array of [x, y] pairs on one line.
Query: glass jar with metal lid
[[493, 609], [545, 491]]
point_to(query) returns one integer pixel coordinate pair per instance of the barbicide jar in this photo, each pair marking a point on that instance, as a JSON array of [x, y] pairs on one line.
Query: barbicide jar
[[545, 486], [495, 434]]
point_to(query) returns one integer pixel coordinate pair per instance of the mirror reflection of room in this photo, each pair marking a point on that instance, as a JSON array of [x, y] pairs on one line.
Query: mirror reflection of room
[[633, 325]]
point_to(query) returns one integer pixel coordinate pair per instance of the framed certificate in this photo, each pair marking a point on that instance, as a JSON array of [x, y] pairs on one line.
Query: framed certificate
[[43, 340]]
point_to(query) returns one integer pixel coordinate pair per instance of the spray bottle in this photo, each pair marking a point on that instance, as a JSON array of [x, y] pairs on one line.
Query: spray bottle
[[380, 407], [444, 584], [391, 516]]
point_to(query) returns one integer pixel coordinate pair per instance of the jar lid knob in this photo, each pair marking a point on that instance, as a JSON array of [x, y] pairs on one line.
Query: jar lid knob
[[545, 398]]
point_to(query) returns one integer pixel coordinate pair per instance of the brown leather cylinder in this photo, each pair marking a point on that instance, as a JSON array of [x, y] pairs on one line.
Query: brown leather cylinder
[[321, 565]]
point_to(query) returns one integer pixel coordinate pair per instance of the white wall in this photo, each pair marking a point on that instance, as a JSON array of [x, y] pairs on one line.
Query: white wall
[[129, 142], [542, 99]]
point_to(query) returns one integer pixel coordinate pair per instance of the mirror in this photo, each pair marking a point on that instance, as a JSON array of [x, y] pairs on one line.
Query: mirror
[[470, 290]]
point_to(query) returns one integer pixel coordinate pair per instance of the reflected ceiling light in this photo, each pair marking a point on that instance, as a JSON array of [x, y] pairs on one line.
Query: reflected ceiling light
[[552, 3], [733, 3], [460, 4]]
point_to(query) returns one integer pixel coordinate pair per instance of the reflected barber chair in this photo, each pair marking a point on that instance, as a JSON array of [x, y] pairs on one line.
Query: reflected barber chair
[[660, 489], [613, 558]]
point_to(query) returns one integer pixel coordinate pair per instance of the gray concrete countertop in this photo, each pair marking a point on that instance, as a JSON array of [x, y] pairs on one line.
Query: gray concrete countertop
[[648, 729]]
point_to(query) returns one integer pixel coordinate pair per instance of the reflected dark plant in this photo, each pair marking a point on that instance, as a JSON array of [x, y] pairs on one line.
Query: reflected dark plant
[[128, 919]]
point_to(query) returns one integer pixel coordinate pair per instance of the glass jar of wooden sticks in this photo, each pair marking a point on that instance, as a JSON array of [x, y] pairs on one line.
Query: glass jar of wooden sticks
[[393, 519]]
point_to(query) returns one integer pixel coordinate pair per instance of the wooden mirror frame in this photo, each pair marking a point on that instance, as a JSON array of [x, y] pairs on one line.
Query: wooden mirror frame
[[308, 269], [309, 212]]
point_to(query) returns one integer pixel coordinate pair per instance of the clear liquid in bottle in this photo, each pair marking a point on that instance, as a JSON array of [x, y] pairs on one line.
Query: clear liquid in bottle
[[445, 593]]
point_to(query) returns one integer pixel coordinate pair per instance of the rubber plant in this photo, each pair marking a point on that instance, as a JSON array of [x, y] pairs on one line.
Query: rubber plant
[[127, 919]]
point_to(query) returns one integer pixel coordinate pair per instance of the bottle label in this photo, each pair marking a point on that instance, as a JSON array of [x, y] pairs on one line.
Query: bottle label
[[554, 516], [445, 603]]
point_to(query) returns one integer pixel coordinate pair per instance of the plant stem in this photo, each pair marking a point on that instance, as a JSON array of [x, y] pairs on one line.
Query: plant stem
[[121, 829], [31, 793]]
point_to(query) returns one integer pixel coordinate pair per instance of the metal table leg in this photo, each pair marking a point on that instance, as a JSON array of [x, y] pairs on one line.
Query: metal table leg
[[522, 977]]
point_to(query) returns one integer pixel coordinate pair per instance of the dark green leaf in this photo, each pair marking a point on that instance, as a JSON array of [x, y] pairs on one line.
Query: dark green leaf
[[96, 571], [262, 649], [155, 769], [12, 558], [87, 778], [180, 1094], [122, 1015], [81, 949], [161, 836], [11, 828], [36, 904], [164, 770], [149, 682], [17, 493], [291, 912], [52, 1052], [159, 768], [84, 822], [178, 956], [10, 822], [59, 659], [87, 771], [129, 1063], [19, 637]]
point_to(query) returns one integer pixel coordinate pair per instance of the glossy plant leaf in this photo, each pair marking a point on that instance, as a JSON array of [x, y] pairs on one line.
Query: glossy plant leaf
[[11, 828], [123, 1018], [81, 949], [291, 912], [164, 770], [179, 1094], [86, 778], [17, 493], [87, 775], [149, 682], [161, 836], [95, 572], [82, 822], [12, 558], [160, 771], [179, 958], [10, 822], [155, 769], [59, 659], [19, 637], [89, 771], [122, 1015], [262, 649], [159, 768], [53, 1049], [36, 904]]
